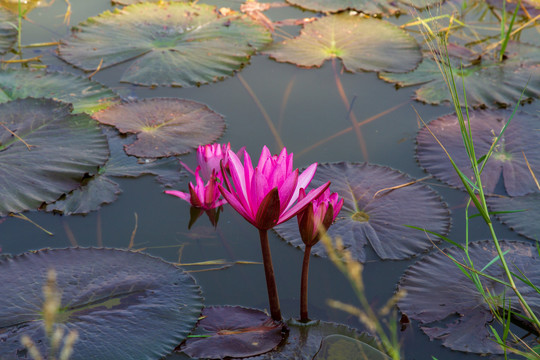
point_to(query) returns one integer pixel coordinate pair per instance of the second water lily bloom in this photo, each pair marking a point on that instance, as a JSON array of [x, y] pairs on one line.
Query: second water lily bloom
[[266, 195], [202, 196]]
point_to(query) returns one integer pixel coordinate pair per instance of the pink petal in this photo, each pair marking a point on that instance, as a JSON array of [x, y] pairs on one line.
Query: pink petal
[[236, 205], [180, 194], [287, 189], [300, 205]]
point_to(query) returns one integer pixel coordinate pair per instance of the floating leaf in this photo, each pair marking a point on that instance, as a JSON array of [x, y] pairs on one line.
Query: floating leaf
[[173, 43], [101, 189], [447, 304], [387, 7], [523, 216], [8, 32], [488, 84], [233, 331], [339, 347], [507, 160], [164, 126], [131, 2], [45, 151], [375, 215], [85, 95], [363, 44], [123, 304]]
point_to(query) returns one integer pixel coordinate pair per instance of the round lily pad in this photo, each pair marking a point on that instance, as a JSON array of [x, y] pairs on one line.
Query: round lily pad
[[179, 44], [123, 304], [507, 160], [8, 33], [164, 126], [339, 347], [45, 151], [371, 214], [363, 44], [488, 83], [520, 213], [447, 304], [85, 95], [233, 331], [386, 7]]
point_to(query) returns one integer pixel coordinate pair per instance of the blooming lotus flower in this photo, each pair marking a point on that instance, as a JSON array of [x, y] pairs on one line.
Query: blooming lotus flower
[[319, 214], [266, 195], [202, 196]]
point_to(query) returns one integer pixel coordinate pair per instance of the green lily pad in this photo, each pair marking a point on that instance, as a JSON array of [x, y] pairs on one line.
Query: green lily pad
[[131, 2], [45, 151], [447, 304], [85, 95], [173, 43], [123, 304], [488, 84], [164, 126], [507, 160], [8, 33], [525, 218], [377, 217], [101, 189], [339, 347], [386, 7], [362, 44]]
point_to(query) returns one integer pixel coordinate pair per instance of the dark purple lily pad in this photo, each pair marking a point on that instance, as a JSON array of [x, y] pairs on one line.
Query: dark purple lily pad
[[363, 44], [386, 7], [101, 189], [520, 137], [448, 306], [124, 305], [164, 126], [526, 218], [45, 152], [377, 219], [233, 331]]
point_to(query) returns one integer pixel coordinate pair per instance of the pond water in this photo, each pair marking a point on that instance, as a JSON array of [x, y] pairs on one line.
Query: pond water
[[312, 121]]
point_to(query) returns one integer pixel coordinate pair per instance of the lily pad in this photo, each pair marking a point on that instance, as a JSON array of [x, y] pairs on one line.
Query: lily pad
[[164, 126], [8, 33], [123, 304], [339, 347], [45, 151], [386, 7], [233, 331], [525, 219], [488, 84], [447, 304], [173, 43], [101, 189], [85, 95], [507, 160], [371, 214], [363, 44]]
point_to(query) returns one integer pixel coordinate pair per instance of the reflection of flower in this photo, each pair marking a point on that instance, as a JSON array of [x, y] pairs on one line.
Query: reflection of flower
[[264, 196], [202, 196], [318, 215]]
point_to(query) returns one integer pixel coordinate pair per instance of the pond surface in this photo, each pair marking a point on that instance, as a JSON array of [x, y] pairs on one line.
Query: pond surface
[[312, 121]]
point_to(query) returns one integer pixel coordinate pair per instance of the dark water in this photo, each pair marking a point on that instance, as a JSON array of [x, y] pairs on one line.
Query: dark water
[[313, 111]]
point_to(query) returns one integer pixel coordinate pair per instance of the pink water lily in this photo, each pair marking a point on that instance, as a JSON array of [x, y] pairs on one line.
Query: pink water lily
[[202, 196], [209, 159], [266, 195]]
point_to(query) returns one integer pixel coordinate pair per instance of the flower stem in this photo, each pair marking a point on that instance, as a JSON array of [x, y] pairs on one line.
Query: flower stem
[[273, 298], [304, 286]]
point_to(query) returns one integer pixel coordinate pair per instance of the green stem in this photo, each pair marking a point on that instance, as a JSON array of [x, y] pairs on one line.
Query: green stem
[[304, 286], [273, 298]]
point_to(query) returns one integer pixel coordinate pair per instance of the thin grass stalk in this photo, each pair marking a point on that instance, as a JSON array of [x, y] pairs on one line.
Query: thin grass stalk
[[271, 287], [304, 285]]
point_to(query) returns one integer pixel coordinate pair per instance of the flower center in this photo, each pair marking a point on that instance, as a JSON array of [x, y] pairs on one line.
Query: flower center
[[360, 216]]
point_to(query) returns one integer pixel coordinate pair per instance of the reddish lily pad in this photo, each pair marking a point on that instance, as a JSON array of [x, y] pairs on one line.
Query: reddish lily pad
[[447, 304], [524, 213], [363, 44], [8, 33], [376, 216], [233, 331], [101, 189], [85, 95], [123, 304], [386, 7], [164, 126], [507, 160], [179, 44], [45, 152]]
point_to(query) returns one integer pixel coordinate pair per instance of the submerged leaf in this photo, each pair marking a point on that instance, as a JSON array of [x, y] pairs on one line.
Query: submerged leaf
[[363, 44], [448, 305], [371, 214], [507, 159], [386, 7], [339, 347], [521, 213], [175, 43], [123, 304], [164, 126], [45, 151]]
